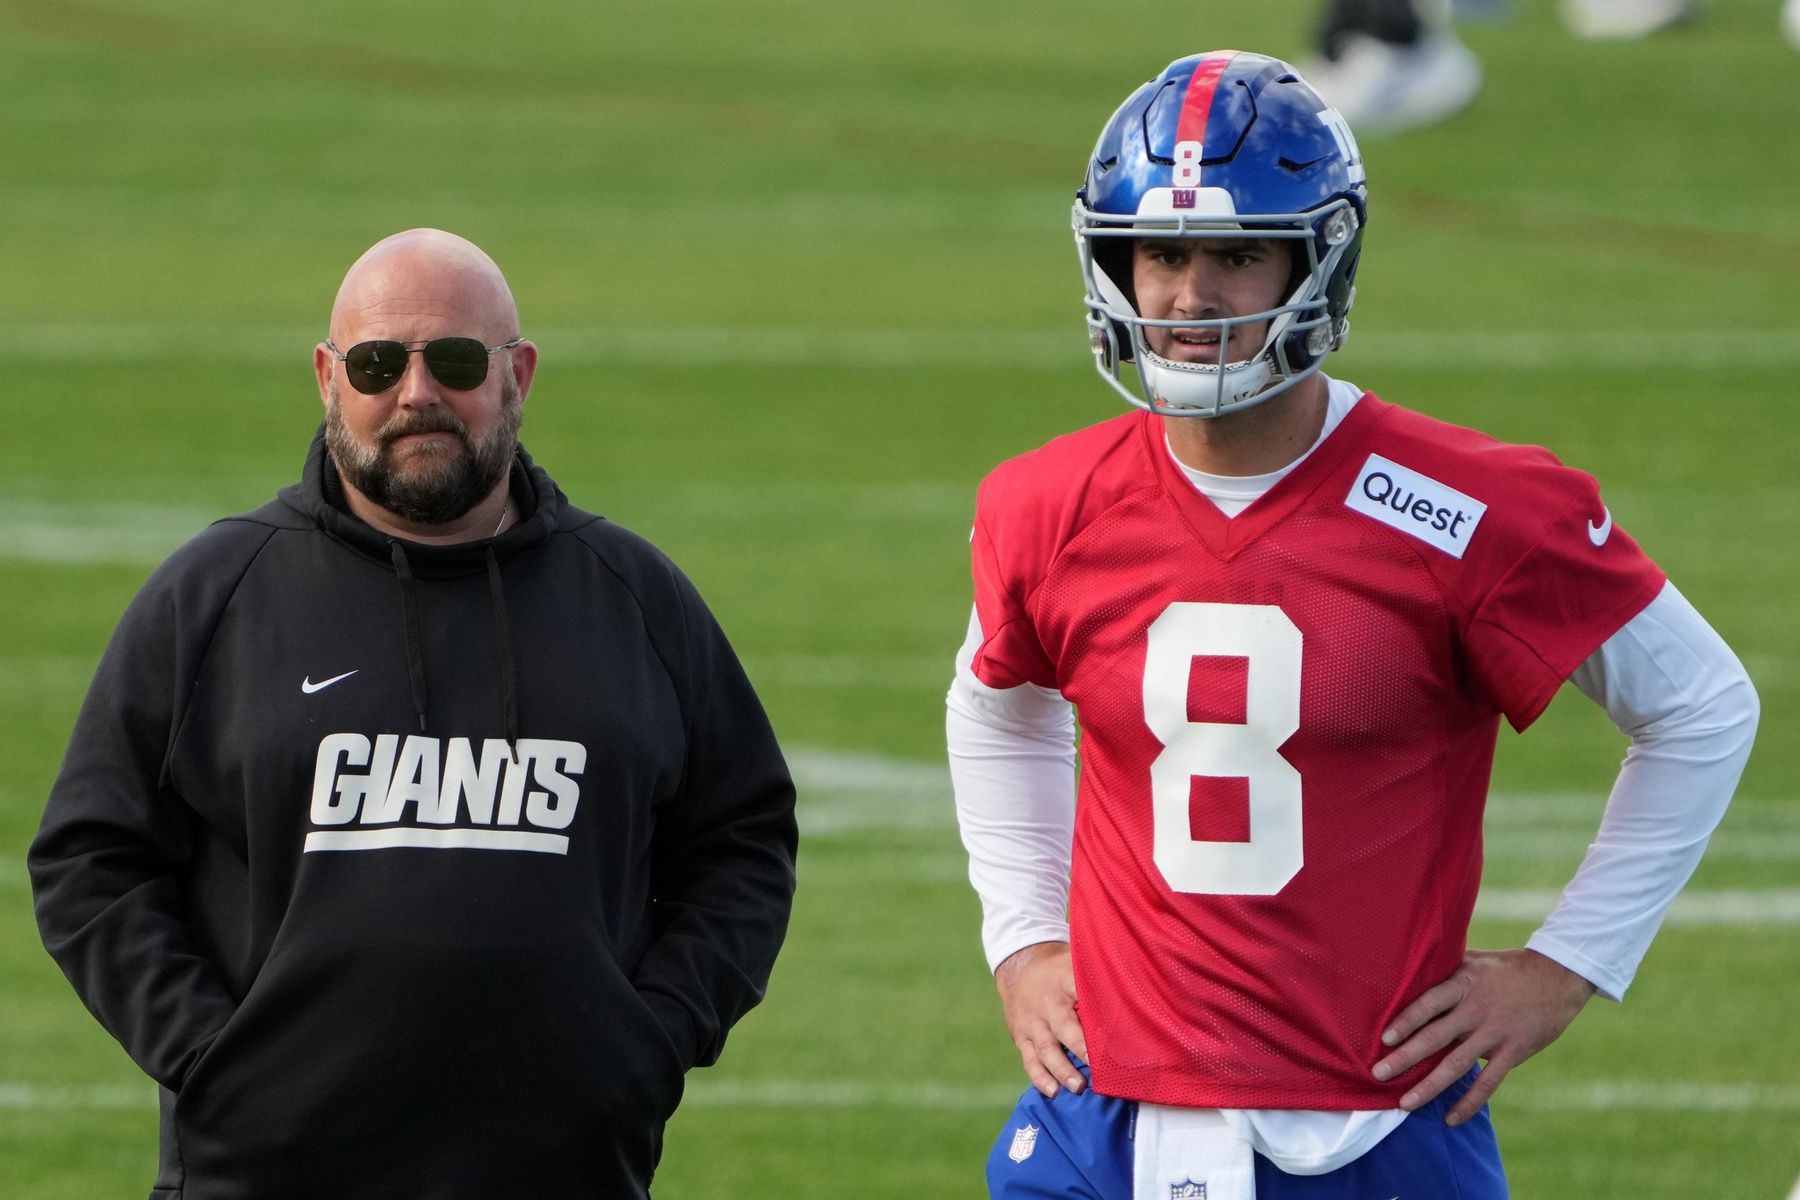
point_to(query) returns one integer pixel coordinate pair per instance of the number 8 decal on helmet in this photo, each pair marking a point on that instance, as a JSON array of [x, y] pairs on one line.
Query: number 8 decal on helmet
[[1187, 164]]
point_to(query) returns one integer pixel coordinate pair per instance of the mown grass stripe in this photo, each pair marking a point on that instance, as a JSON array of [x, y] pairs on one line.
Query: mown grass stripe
[[1519, 350], [1624, 1095]]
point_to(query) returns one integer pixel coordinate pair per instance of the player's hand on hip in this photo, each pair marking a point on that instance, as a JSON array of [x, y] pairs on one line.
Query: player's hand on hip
[[1501, 1005], [1037, 990]]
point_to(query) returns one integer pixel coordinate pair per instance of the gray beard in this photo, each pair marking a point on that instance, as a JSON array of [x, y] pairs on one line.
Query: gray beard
[[434, 488]]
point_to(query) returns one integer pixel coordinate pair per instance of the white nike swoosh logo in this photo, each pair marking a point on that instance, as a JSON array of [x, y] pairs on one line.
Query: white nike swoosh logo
[[309, 687], [1598, 534]]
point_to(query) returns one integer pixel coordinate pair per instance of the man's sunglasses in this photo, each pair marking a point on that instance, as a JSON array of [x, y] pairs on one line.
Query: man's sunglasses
[[459, 363]]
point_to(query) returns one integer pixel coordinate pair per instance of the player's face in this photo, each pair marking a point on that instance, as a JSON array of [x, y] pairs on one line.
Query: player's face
[[1208, 279], [424, 451]]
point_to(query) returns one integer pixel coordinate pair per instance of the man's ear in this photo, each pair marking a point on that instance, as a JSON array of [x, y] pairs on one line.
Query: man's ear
[[324, 365], [524, 367]]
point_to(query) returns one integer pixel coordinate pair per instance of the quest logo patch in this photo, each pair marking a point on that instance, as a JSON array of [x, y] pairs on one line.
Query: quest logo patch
[[1415, 504]]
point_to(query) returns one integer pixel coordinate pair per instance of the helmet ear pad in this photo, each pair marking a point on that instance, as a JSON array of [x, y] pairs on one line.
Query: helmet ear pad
[[1339, 292], [1340, 289], [1114, 256]]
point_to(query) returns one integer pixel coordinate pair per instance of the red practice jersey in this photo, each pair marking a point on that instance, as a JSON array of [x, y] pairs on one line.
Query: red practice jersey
[[1288, 721]]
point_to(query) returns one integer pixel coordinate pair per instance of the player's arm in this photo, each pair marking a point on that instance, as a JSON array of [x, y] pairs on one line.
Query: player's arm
[[1012, 767], [1670, 683]]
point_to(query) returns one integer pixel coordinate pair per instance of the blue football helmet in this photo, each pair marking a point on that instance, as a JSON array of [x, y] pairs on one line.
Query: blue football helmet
[[1222, 145]]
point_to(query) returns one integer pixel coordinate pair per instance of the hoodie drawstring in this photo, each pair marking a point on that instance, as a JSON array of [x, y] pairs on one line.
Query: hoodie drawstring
[[415, 654], [509, 688]]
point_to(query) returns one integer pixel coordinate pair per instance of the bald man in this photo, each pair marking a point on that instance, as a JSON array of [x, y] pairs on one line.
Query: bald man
[[420, 830]]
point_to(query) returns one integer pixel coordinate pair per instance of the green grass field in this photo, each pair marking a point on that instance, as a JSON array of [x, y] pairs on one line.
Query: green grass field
[[800, 272]]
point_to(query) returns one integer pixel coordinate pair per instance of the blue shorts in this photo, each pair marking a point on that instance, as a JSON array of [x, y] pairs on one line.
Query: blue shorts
[[1082, 1150]]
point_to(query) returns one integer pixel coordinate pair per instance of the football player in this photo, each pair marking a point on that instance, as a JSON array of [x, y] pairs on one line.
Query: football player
[[1629, 20], [1291, 616], [1393, 65]]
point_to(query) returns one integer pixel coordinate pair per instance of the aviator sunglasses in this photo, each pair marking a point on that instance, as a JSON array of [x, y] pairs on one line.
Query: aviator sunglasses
[[459, 363]]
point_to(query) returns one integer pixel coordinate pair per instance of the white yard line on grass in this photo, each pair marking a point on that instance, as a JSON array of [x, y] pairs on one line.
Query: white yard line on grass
[[851, 672], [59, 1098], [837, 773], [96, 534]]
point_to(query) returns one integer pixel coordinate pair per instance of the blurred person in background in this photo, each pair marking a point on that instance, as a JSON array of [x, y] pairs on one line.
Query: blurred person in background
[[1393, 65], [1286, 619], [419, 830], [1628, 20], [1625, 20]]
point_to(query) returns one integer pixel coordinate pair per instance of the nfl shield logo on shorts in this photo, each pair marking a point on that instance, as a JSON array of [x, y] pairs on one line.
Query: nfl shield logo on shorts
[[1187, 1189], [1024, 1142]]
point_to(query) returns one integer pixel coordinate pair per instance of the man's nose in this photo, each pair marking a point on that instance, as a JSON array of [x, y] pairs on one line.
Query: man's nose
[[417, 388], [1198, 289]]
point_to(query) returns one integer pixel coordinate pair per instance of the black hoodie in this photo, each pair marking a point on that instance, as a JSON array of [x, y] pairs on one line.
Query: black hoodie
[[416, 871]]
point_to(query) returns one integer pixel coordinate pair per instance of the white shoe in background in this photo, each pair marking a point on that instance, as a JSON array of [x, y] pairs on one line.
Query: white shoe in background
[[1380, 87], [1790, 21], [1625, 20]]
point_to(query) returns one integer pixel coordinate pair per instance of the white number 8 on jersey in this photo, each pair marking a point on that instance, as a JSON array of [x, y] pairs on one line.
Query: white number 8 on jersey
[[1270, 643]]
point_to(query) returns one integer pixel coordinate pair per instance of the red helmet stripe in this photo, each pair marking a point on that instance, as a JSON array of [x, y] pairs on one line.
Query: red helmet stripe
[[1196, 106]]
